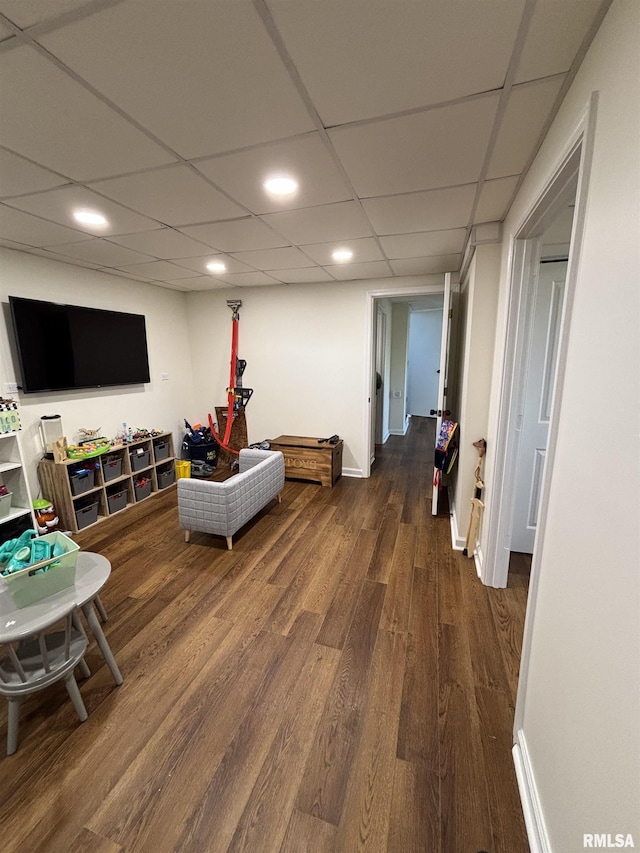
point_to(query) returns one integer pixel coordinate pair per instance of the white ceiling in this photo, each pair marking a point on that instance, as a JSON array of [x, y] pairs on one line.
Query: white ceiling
[[405, 122]]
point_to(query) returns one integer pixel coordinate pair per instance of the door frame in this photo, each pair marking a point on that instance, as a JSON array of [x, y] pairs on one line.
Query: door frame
[[524, 257], [369, 361], [380, 367]]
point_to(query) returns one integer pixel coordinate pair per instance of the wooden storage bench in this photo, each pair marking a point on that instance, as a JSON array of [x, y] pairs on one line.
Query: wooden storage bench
[[305, 459]]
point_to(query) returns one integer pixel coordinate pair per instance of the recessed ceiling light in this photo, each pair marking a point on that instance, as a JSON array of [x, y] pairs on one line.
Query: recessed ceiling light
[[89, 217], [342, 255], [216, 266], [280, 185]]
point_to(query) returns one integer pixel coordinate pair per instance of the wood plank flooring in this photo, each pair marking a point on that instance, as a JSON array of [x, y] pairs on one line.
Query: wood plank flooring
[[340, 681]]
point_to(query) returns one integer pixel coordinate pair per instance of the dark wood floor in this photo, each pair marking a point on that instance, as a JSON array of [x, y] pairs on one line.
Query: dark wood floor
[[340, 681]]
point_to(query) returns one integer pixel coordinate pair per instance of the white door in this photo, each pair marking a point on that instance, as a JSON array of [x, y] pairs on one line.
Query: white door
[[425, 334], [536, 411], [442, 376]]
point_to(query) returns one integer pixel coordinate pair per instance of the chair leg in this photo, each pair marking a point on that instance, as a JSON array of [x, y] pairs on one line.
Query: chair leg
[[76, 698], [12, 725], [187, 535], [100, 608], [230, 543], [84, 669]]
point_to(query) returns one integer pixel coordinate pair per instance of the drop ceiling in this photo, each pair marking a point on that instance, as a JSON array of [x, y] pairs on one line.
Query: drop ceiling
[[405, 123]]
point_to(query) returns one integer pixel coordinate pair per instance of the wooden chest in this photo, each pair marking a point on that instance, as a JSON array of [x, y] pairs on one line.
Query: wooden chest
[[305, 459]]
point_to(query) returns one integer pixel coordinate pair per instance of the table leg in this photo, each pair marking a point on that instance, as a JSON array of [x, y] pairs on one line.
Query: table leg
[[101, 640]]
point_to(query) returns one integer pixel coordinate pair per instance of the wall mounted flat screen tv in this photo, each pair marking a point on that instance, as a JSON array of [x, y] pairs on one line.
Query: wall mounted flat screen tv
[[63, 347]]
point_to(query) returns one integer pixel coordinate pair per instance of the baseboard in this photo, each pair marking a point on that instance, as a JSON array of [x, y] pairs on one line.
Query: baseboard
[[533, 817], [400, 431], [479, 560], [385, 437], [352, 472], [457, 542]]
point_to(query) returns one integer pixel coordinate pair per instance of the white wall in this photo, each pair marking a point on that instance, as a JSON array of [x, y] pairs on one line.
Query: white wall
[[425, 336], [581, 694], [307, 357], [398, 378], [160, 404]]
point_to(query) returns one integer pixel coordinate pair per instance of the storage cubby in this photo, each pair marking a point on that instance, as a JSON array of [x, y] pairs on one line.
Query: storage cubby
[[17, 511], [120, 478]]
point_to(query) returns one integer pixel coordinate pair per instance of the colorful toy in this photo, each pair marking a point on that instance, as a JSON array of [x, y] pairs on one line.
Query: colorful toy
[[16, 553]]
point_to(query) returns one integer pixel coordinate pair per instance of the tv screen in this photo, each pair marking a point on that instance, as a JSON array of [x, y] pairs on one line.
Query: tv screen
[[62, 347]]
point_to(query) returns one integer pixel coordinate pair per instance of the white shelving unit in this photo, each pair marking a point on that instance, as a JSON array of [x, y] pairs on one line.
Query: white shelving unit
[[13, 475]]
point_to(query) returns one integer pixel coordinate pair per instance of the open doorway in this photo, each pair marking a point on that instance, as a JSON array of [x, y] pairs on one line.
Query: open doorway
[[567, 185], [395, 394], [549, 289], [423, 362]]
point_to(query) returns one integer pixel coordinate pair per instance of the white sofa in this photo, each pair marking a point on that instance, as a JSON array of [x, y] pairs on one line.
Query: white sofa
[[223, 508]]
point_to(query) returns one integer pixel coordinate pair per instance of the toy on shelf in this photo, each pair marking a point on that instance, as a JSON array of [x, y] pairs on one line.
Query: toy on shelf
[[87, 451], [126, 435], [46, 516]]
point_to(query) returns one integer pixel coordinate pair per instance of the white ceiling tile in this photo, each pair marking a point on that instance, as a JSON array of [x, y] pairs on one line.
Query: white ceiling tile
[[160, 270], [304, 158], [98, 251], [359, 62], [350, 272], [309, 274], [203, 282], [24, 228], [427, 266], [163, 243], [527, 111], [199, 265], [26, 13], [555, 33], [18, 176], [494, 198], [51, 119], [422, 211], [436, 148], [365, 249], [207, 76], [237, 235], [174, 196], [58, 206], [423, 244], [173, 285], [272, 259], [342, 221], [250, 279]]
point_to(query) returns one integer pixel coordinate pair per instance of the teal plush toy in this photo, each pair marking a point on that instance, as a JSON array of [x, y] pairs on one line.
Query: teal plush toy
[[12, 553]]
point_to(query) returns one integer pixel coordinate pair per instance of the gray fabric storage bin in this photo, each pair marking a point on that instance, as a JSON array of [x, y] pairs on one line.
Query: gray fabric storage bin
[[81, 483], [112, 468], [166, 478], [86, 515], [161, 450], [139, 460], [142, 492], [117, 501]]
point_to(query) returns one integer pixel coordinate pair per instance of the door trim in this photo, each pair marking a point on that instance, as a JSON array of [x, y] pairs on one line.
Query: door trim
[[524, 257]]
